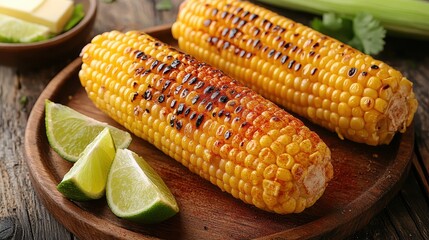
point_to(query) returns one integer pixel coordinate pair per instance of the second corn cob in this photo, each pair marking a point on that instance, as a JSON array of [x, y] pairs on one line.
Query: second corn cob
[[320, 78], [222, 131]]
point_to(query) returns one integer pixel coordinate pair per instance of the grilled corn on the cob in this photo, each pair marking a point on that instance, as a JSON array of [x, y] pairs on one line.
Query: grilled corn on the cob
[[217, 128], [320, 78]]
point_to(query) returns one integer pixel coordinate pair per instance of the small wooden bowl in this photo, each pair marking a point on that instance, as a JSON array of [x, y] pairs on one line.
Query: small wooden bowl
[[43, 53]]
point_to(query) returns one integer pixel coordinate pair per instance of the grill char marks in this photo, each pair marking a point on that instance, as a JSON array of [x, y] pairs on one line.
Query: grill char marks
[[193, 92], [239, 26]]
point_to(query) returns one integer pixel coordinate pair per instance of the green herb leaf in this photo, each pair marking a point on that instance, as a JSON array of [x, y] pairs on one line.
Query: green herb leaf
[[23, 100], [164, 5], [78, 14], [369, 32], [336, 27], [364, 32]]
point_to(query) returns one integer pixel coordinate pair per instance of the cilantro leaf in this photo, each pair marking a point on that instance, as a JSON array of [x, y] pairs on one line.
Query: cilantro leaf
[[164, 5], [370, 33], [364, 32], [336, 27]]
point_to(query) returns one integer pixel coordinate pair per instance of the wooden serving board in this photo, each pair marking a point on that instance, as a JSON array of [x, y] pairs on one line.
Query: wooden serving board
[[366, 178]]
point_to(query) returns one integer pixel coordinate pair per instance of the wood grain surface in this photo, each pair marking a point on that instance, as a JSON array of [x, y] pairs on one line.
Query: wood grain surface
[[23, 216]]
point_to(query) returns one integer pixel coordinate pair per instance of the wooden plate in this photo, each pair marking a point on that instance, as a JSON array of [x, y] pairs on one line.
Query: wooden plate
[[366, 178]]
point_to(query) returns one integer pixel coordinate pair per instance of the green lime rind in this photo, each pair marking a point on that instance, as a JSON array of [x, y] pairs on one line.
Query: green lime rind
[[71, 191], [69, 131], [86, 180], [135, 191], [159, 212]]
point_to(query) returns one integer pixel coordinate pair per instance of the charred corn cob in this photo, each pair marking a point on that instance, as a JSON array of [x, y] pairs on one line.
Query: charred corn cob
[[224, 132], [315, 76]]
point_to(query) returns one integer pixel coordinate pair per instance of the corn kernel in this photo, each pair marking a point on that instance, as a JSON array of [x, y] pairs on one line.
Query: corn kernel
[[344, 97], [283, 174], [270, 171], [292, 148], [367, 103], [357, 123], [371, 116], [305, 145], [269, 200], [386, 92], [354, 101], [357, 112], [277, 147], [285, 160], [370, 92], [374, 83], [380, 105], [343, 122], [344, 110], [356, 89], [265, 141], [300, 205], [253, 147], [289, 205]]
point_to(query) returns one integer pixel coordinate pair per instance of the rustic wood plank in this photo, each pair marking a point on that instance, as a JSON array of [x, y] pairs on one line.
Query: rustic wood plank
[[20, 206], [12, 206], [401, 220], [416, 204], [379, 228], [422, 174], [421, 74], [125, 15]]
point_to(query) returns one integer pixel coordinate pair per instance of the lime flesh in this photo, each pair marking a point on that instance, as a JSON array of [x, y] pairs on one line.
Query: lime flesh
[[136, 192], [14, 30], [69, 131], [86, 180]]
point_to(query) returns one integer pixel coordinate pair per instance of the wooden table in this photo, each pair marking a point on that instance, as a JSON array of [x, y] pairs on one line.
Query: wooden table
[[22, 216]]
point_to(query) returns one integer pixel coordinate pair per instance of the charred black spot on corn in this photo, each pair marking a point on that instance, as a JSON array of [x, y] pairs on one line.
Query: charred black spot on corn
[[227, 135], [184, 93], [215, 95], [179, 125], [180, 108], [173, 103], [352, 72], [199, 120], [147, 94], [134, 96], [175, 63], [199, 85]]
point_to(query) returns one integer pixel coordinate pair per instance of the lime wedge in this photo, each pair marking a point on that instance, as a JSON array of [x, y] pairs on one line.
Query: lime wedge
[[69, 131], [15, 30], [136, 192], [86, 180]]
